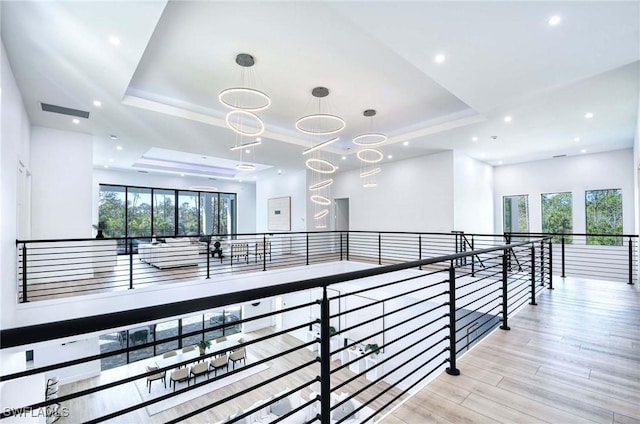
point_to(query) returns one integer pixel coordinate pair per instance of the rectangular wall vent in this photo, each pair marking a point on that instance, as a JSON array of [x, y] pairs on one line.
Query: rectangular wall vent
[[559, 156], [64, 110]]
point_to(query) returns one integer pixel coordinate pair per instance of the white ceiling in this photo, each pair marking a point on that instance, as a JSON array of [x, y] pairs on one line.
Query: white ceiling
[[159, 88]]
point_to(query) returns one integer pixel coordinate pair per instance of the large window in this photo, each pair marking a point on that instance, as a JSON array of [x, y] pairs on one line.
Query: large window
[[516, 214], [604, 216], [141, 212], [557, 215], [112, 211], [138, 212], [188, 216], [164, 212], [209, 326]]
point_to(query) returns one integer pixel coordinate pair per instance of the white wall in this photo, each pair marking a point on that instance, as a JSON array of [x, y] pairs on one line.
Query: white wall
[[472, 195], [412, 195], [15, 135], [61, 166], [249, 311], [246, 191], [290, 183], [574, 174], [57, 353]]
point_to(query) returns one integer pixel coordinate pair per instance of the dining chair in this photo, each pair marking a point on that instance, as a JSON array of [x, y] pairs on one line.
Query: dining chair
[[178, 376], [218, 363], [199, 369], [154, 377], [238, 355]]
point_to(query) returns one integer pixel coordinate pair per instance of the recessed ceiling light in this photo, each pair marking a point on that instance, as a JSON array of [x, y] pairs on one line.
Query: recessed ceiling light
[[106, 167], [588, 115], [507, 118], [111, 160], [583, 151], [337, 167], [554, 20], [576, 139], [118, 147], [97, 103], [406, 143], [344, 158], [474, 138], [483, 155], [439, 58], [76, 121], [390, 157], [113, 137], [499, 162], [255, 177], [247, 151], [279, 171], [239, 181], [182, 175], [258, 138], [114, 40]]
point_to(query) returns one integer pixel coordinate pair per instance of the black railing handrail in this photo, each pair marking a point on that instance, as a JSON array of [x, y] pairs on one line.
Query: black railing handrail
[[573, 234], [18, 336], [232, 236]]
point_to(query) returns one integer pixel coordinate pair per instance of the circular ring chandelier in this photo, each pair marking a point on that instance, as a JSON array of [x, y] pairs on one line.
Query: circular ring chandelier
[[238, 128], [320, 165], [336, 122], [376, 155], [321, 214], [244, 95], [369, 173], [245, 167], [321, 184], [320, 200], [370, 139]]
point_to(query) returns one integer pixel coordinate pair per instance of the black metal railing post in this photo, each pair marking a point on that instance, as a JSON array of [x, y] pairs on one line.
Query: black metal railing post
[[533, 275], [507, 240], [379, 249], [307, 248], [325, 360], [341, 234], [541, 262], [420, 249], [562, 258], [264, 252], [630, 261], [451, 369], [208, 255], [24, 273], [550, 266], [473, 257], [504, 326], [347, 246], [130, 264]]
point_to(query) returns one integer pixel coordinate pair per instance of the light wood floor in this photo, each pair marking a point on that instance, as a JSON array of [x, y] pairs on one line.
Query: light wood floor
[[573, 358]]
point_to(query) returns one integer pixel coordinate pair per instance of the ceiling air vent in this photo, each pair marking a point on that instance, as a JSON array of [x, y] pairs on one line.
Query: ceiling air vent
[[143, 172], [64, 110], [559, 156]]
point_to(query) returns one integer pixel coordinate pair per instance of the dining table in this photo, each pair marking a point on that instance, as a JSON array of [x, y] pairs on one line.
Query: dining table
[[194, 355]]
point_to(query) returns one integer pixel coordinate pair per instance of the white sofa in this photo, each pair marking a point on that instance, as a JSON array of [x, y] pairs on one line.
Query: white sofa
[[171, 254]]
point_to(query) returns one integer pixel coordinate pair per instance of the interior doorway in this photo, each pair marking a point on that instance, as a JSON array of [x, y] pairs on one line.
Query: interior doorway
[[342, 215]]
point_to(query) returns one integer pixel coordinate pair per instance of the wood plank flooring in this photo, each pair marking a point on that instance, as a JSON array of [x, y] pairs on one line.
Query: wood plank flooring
[[573, 358]]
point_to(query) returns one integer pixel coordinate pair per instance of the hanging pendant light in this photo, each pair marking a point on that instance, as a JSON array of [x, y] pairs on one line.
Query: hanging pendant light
[[369, 156], [320, 123], [245, 97]]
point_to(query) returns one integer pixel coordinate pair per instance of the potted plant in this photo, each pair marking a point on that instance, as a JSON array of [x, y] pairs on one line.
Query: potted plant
[[203, 345], [373, 347], [99, 228], [332, 331]]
